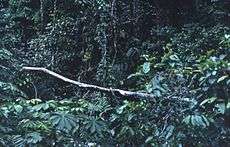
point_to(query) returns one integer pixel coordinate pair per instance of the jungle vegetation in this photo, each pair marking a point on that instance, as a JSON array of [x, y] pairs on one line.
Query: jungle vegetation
[[161, 69]]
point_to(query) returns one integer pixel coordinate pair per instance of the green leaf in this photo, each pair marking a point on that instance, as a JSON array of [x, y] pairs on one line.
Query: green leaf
[[149, 87], [38, 107], [228, 105], [34, 137], [220, 108], [42, 106], [174, 58], [226, 36], [210, 100], [18, 141], [169, 131], [121, 109], [196, 120], [93, 127], [18, 108], [149, 139], [206, 121], [187, 119], [63, 121], [5, 54], [146, 67], [199, 121], [130, 117], [222, 78]]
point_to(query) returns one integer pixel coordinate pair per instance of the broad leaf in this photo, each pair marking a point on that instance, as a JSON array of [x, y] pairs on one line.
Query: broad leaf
[[146, 67]]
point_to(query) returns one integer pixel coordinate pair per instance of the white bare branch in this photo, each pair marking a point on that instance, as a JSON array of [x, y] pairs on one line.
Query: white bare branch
[[118, 92]]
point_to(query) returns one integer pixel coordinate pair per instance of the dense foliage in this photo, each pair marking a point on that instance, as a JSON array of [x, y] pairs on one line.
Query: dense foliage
[[176, 50]]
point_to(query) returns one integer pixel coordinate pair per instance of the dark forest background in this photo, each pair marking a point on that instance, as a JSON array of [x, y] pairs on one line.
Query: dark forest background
[[175, 50]]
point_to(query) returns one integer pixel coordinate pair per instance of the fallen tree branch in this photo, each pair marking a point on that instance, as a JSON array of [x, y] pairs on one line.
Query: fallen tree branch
[[118, 92]]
